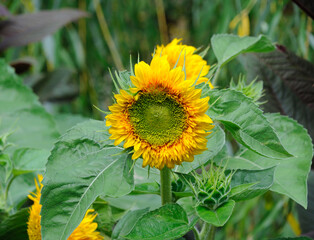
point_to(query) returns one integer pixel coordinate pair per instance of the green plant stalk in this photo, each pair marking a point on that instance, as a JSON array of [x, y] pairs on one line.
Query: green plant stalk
[[211, 234], [107, 36], [165, 186], [208, 232]]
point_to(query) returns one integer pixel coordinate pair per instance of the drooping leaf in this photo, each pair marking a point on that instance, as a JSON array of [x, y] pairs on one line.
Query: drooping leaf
[[215, 142], [27, 160], [227, 46], [219, 217], [291, 173], [288, 83], [168, 222], [262, 180], [80, 168], [30, 128], [126, 224], [23, 29], [20, 187], [246, 122], [22, 115], [15, 226]]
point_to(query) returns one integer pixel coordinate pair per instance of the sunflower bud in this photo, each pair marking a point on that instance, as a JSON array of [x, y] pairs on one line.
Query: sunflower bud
[[254, 90], [212, 187]]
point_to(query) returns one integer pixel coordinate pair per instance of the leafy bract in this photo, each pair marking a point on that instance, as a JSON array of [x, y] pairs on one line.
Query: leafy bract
[[168, 222], [80, 168], [216, 141], [291, 173], [246, 122], [227, 46], [216, 217]]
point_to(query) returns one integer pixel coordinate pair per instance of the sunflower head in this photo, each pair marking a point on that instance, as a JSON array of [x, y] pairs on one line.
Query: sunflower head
[[163, 117], [86, 230], [183, 55]]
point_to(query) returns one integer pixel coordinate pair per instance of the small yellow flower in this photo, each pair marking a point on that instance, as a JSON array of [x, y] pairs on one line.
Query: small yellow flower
[[163, 118], [85, 231], [195, 66]]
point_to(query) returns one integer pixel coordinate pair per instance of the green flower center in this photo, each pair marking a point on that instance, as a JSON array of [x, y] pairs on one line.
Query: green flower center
[[157, 118]]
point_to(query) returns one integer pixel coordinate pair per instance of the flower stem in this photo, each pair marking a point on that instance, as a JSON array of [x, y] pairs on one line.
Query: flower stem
[[165, 186]]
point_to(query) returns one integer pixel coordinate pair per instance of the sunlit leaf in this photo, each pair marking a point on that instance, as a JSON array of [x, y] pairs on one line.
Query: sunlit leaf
[[80, 168], [246, 122], [294, 138], [227, 46]]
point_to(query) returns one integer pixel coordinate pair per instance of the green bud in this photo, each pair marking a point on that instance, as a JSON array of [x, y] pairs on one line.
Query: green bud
[[212, 187], [254, 90]]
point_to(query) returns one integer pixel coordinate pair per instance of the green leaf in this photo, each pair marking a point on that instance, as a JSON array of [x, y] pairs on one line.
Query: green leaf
[[218, 217], [80, 169], [216, 141], [246, 122], [227, 46], [21, 186], [262, 180], [66, 121], [291, 173], [92, 129], [5, 168], [15, 226], [150, 187], [27, 160], [22, 115], [126, 224], [168, 222], [135, 202]]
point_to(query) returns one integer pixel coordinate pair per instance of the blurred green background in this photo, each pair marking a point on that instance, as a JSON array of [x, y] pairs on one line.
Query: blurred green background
[[80, 53]]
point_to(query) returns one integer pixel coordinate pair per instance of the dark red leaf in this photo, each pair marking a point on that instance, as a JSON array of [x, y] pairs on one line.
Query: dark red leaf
[[23, 29], [288, 82], [307, 6], [4, 12]]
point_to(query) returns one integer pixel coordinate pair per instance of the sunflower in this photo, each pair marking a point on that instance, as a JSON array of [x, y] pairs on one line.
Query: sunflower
[[178, 55], [163, 117], [85, 231]]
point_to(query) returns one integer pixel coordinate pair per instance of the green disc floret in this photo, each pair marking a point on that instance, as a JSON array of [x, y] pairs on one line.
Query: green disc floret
[[157, 118]]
